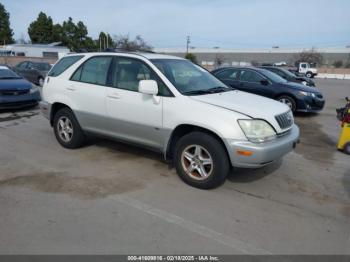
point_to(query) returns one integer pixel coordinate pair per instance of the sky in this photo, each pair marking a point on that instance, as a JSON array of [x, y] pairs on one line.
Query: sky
[[209, 23]]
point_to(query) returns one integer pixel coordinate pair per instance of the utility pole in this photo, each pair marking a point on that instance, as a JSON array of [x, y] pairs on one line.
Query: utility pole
[[187, 43]]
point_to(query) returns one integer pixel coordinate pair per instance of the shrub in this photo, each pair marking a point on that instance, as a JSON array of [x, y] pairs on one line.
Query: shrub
[[338, 64]]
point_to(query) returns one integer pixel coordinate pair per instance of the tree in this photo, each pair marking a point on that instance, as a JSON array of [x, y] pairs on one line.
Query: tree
[[219, 60], [41, 30], [338, 63], [75, 36], [191, 57], [124, 42], [105, 41], [310, 56], [6, 33]]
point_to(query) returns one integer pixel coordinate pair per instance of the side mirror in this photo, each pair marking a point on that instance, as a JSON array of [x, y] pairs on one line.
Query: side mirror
[[264, 82], [148, 87]]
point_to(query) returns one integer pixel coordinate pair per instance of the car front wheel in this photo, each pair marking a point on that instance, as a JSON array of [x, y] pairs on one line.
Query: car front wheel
[[201, 160], [289, 101], [67, 129]]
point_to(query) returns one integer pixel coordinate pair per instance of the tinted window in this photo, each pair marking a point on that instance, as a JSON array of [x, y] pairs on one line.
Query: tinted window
[[42, 66], [93, 71], [272, 76], [22, 65], [64, 64], [250, 76], [230, 74], [129, 72]]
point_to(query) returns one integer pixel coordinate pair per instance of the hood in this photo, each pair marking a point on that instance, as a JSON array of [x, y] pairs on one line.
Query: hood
[[300, 87], [15, 84], [247, 104]]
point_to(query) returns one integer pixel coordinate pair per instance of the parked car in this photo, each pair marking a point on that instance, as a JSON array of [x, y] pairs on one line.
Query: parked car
[[265, 83], [289, 76], [35, 72], [170, 105], [16, 92]]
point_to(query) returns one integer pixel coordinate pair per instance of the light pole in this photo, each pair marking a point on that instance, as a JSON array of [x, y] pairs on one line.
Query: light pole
[[188, 41]]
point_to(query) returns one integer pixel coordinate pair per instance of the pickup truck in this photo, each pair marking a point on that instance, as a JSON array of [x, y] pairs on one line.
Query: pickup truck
[[304, 68]]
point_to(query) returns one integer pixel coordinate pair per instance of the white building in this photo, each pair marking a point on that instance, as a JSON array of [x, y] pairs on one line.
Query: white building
[[52, 50]]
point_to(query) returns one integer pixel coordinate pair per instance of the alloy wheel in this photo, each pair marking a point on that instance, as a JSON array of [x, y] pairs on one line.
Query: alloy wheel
[[197, 162], [65, 129]]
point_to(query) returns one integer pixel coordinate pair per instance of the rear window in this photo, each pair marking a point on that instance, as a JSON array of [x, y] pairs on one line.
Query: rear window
[[64, 64]]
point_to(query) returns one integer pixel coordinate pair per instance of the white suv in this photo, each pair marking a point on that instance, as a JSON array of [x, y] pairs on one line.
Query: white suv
[[170, 105]]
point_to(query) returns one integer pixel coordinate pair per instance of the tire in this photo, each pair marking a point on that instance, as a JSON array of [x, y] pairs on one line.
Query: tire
[[347, 148], [208, 148], [41, 81], [65, 119], [289, 101], [309, 75]]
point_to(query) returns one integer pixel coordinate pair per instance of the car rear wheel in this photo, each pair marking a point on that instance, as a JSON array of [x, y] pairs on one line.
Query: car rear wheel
[[347, 148], [67, 129], [201, 160], [289, 101], [309, 75]]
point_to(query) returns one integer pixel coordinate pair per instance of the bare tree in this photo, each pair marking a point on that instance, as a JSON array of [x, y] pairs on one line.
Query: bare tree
[[219, 60], [309, 56], [138, 43]]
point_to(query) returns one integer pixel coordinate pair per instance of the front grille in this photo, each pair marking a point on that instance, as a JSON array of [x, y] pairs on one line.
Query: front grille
[[13, 92], [285, 120]]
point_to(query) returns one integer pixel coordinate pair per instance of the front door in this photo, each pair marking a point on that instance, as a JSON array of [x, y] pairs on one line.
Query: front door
[[251, 81], [134, 116]]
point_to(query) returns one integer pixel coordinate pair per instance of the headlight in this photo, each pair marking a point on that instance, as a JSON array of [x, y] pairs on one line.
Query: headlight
[[307, 93], [257, 131], [34, 89]]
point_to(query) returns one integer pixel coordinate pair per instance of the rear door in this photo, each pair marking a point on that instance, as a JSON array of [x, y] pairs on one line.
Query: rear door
[[229, 77], [134, 116], [87, 89]]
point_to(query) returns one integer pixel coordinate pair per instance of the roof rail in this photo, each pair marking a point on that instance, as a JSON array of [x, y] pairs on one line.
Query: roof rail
[[123, 50]]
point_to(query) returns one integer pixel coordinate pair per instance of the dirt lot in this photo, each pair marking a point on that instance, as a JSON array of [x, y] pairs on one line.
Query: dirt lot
[[109, 198]]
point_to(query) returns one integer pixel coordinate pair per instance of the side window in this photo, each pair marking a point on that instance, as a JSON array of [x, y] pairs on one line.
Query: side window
[[64, 64], [250, 76], [129, 72], [278, 72], [230, 74], [303, 65], [22, 65], [94, 70]]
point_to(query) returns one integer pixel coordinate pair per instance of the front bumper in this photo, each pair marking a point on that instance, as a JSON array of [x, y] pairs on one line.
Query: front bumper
[[310, 104], [19, 101], [263, 153]]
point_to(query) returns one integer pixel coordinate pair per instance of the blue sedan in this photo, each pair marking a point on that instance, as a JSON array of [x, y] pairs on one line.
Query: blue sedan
[[265, 83], [15, 91]]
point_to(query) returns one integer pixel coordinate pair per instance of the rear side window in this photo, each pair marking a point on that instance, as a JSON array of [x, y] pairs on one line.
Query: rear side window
[[93, 71], [231, 74], [63, 65]]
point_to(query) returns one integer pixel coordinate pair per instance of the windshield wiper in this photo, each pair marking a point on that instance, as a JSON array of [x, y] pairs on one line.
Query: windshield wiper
[[10, 77], [197, 92], [219, 89]]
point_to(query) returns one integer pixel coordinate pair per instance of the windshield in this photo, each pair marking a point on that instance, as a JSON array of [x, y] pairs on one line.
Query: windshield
[[272, 76], [6, 73], [288, 73], [189, 78]]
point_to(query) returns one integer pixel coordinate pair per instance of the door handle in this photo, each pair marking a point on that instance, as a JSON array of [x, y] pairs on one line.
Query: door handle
[[71, 88], [114, 96]]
